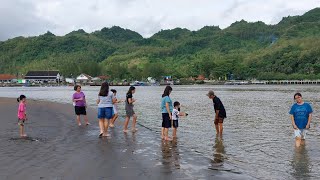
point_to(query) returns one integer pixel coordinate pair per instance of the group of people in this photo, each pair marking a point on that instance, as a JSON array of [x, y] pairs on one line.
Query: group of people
[[107, 108], [300, 113]]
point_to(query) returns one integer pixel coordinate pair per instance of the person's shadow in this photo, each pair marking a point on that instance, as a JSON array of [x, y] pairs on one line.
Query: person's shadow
[[301, 163], [218, 153]]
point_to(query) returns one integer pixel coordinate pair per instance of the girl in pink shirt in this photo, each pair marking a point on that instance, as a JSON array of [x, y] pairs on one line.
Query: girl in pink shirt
[[22, 116]]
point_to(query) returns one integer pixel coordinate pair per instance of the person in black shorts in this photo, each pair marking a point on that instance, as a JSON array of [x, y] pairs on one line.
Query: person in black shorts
[[175, 117], [166, 110], [219, 110]]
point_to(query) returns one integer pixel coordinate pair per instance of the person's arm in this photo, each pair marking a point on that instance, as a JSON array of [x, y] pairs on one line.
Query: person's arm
[[183, 114], [309, 121], [293, 123], [98, 100], [114, 99], [168, 110], [217, 114], [131, 100]]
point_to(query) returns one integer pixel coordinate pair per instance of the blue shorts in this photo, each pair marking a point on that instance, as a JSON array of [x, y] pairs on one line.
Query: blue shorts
[[105, 113]]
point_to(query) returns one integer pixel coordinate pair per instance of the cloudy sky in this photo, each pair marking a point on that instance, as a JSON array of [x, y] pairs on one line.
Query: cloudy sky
[[34, 17]]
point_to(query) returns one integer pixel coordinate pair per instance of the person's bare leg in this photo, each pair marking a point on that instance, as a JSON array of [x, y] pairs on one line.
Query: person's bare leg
[[113, 120], [217, 128], [78, 120], [166, 134], [298, 141], [174, 132], [220, 128], [86, 120], [21, 130], [126, 122], [134, 122], [106, 126], [101, 125], [162, 133]]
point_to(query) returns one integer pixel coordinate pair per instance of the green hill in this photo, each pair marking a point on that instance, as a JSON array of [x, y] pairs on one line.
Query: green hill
[[287, 50]]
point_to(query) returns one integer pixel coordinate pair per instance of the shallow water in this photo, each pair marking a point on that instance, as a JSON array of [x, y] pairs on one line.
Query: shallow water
[[258, 138]]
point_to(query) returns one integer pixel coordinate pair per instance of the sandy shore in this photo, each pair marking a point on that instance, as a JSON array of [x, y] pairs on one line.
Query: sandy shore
[[58, 149]]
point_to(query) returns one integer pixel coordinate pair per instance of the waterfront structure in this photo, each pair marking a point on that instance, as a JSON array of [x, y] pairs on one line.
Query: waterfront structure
[[7, 78], [43, 77]]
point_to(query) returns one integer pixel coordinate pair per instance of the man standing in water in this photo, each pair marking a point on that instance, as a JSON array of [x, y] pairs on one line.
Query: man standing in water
[[219, 110], [301, 114]]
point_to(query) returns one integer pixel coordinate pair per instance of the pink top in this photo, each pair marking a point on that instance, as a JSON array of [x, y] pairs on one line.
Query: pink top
[[22, 111]]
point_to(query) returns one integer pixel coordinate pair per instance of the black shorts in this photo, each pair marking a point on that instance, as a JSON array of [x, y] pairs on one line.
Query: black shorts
[[80, 110], [175, 123], [166, 122]]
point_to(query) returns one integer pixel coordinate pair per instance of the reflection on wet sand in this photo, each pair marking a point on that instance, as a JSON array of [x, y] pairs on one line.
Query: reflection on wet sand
[[170, 155], [301, 163], [218, 152]]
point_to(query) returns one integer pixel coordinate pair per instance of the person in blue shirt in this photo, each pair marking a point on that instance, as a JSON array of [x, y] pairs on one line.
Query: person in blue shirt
[[301, 115], [166, 110]]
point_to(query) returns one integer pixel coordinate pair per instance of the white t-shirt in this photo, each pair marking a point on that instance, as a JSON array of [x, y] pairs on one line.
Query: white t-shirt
[[106, 101], [175, 114]]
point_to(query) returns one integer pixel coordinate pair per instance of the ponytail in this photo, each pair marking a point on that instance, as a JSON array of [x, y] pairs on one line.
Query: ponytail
[[21, 97]]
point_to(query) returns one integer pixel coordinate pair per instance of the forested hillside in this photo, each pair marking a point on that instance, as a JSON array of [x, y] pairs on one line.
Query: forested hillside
[[287, 50]]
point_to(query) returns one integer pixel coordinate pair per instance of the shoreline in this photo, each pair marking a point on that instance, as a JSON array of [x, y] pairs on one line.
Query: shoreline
[[58, 148]]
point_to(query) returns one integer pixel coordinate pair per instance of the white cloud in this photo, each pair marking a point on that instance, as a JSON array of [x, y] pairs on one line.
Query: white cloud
[[34, 17]]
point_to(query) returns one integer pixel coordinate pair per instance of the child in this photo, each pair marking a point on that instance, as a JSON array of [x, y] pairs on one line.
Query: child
[[115, 108], [175, 117], [129, 110], [105, 103], [22, 115]]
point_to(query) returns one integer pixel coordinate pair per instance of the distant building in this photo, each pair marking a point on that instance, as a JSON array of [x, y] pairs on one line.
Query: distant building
[[83, 78], [7, 78], [70, 80], [43, 76]]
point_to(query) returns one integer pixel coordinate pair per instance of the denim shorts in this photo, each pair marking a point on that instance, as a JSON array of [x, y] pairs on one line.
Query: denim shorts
[[105, 113]]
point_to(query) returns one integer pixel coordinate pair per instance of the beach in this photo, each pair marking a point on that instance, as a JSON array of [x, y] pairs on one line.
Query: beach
[[56, 148]]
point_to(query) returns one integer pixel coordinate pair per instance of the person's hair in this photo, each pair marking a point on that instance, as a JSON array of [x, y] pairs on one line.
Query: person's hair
[[166, 91], [113, 90], [104, 90], [131, 88], [176, 104], [297, 94], [21, 97], [76, 87]]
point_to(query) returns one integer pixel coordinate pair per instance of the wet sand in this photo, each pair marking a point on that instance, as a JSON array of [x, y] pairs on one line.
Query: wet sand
[[58, 149]]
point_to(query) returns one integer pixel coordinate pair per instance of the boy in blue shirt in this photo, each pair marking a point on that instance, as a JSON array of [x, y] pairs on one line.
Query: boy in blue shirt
[[301, 114]]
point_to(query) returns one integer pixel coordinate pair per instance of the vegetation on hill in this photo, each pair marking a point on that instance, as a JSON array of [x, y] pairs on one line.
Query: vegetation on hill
[[287, 50]]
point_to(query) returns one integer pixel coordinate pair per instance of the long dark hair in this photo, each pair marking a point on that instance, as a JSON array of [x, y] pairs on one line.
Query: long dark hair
[[21, 97], [167, 91], [131, 89], [104, 90]]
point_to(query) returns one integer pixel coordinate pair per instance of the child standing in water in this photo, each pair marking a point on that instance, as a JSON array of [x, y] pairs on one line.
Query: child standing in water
[[129, 110], [105, 105], [115, 108], [22, 114], [175, 117]]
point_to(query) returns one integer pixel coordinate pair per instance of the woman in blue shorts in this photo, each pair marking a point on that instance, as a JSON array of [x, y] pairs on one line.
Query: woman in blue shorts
[[105, 108]]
